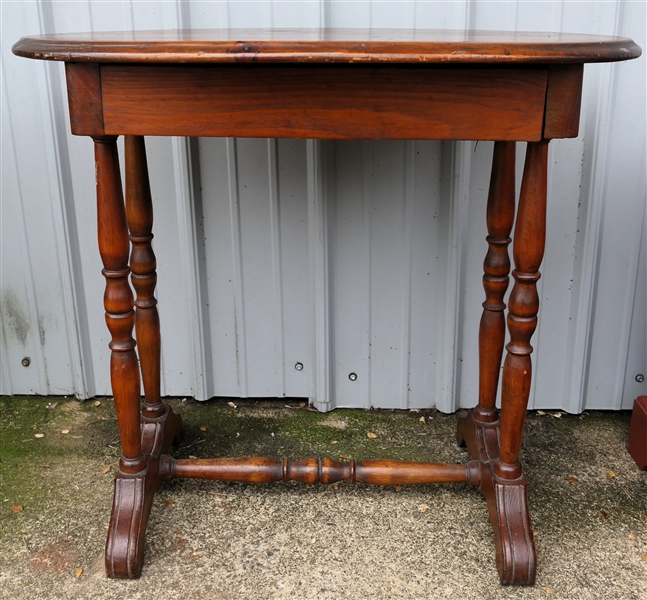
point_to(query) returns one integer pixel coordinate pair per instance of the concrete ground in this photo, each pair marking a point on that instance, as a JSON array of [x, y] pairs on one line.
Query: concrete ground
[[209, 540]]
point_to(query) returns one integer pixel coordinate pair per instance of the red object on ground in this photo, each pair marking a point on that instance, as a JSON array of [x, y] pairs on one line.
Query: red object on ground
[[637, 445]]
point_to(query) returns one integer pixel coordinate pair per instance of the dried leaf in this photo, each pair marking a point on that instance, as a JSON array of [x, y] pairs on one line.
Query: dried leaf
[[52, 406], [270, 510], [423, 507], [39, 435], [541, 412], [344, 456], [603, 514], [97, 403], [202, 428], [193, 457], [557, 415], [78, 572], [632, 536], [644, 557], [398, 488], [610, 474], [302, 404], [231, 404], [16, 508], [371, 435], [332, 442], [421, 420], [550, 591], [169, 502], [572, 479], [65, 431], [106, 470]]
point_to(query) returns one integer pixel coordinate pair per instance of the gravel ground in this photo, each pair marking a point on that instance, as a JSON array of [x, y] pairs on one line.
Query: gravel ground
[[210, 540]]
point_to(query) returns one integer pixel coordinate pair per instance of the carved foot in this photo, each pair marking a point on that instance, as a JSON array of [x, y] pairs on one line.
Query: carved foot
[[481, 438], [133, 498], [516, 559], [507, 504]]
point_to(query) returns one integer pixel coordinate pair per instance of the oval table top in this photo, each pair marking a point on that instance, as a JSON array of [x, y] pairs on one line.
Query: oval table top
[[326, 46]]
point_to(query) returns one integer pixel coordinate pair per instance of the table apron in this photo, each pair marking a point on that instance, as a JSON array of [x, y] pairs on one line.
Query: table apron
[[323, 102]]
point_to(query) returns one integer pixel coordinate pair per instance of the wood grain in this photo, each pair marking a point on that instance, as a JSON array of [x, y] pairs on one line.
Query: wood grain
[[326, 45], [507, 501], [84, 98], [118, 301], [528, 252], [384, 84], [133, 498], [325, 102], [139, 213], [563, 101], [325, 470], [496, 267]]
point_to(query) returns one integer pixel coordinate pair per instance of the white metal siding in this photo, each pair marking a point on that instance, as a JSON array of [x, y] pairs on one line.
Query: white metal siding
[[362, 257]]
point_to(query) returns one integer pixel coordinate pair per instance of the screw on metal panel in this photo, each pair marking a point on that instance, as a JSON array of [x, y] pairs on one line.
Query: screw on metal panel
[[352, 376], [299, 366], [26, 361], [640, 378]]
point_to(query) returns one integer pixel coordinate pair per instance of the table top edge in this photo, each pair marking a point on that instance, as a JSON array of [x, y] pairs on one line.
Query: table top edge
[[326, 46]]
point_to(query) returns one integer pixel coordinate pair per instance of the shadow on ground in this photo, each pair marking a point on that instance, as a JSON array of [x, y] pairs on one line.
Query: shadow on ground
[[209, 540]]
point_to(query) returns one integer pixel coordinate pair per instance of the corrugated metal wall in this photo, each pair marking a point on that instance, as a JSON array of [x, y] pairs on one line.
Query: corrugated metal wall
[[347, 257]]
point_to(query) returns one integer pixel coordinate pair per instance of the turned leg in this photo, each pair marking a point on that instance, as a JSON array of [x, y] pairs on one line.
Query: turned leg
[[500, 215], [478, 430], [528, 251], [139, 211], [495, 443], [506, 488], [124, 370], [143, 439], [118, 302]]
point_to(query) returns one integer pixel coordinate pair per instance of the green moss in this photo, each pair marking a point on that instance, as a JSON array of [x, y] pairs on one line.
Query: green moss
[[553, 449], [27, 462], [268, 428]]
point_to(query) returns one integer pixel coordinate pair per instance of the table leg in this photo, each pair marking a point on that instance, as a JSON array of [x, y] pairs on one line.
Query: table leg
[[496, 267], [139, 213], [516, 557], [118, 302], [528, 252], [479, 429], [496, 443], [143, 437]]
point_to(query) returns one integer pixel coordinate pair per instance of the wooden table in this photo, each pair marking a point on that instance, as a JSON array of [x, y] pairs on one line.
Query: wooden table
[[326, 84]]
